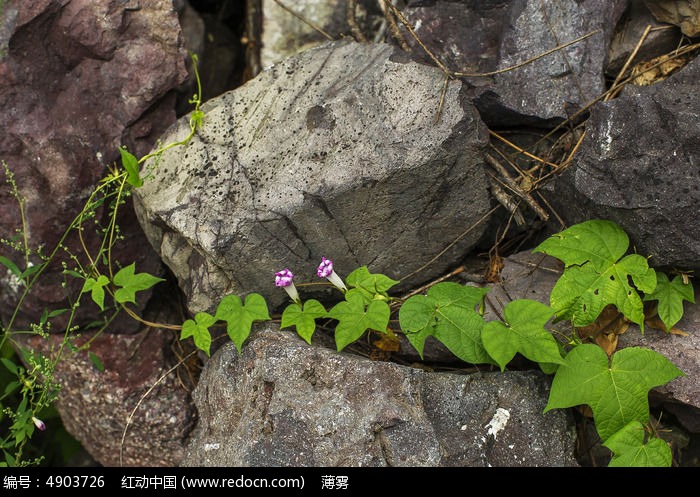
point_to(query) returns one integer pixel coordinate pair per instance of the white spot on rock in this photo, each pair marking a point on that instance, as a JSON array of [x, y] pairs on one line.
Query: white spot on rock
[[498, 422]]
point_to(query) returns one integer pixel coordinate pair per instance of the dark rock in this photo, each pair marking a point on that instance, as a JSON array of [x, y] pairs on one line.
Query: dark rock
[[285, 403], [638, 167], [476, 37], [80, 79], [685, 14], [659, 40]]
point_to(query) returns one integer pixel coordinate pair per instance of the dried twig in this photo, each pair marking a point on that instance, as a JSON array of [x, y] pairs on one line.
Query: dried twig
[[304, 20], [522, 151], [351, 19], [513, 186], [506, 200], [629, 60], [525, 62]]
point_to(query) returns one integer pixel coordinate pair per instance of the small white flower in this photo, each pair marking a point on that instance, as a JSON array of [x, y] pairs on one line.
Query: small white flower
[[39, 423]]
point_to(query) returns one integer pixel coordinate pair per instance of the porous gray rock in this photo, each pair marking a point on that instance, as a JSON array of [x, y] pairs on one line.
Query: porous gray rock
[[283, 402], [497, 37], [639, 166], [335, 152]]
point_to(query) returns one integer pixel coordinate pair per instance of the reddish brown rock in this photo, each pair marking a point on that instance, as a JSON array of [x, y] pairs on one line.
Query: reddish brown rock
[[77, 80], [138, 411]]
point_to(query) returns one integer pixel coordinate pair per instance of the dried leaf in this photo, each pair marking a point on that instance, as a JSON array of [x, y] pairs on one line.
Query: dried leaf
[[607, 327], [648, 72]]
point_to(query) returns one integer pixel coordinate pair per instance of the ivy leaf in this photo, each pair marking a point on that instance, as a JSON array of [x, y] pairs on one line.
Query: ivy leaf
[[523, 332], [239, 318], [447, 312], [96, 289], [132, 283], [616, 390], [671, 295], [198, 329], [131, 165], [371, 285], [595, 276], [355, 317], [303, 318], [581, 293], [629, 449], [597, 241]]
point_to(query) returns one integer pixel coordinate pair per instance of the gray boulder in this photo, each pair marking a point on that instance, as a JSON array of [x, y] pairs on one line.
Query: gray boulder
[[283, 402], [638, 166], [476, 37], [335, 152]]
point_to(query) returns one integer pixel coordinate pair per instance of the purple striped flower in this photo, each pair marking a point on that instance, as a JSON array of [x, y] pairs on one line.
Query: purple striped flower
[[285, 279], [325, 270]]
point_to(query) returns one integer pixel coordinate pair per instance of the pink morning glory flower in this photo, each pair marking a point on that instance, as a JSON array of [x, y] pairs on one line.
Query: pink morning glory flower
[[39, 423], [325, 270], [285, 279]]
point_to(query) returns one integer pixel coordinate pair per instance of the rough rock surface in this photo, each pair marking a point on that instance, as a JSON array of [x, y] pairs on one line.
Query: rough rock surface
[[639, 165], [79, 79], [334, 152], [283, 402], [283, 34], [478, 37], [682, 13], [137, 412]]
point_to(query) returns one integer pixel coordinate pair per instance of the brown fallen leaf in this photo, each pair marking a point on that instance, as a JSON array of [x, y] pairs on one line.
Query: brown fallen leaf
[[386, 344], [652, 319], [607, 327], [652, 71]]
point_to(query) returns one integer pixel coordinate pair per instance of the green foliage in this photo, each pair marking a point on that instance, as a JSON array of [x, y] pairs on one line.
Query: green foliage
[[198, 329], [632, 448], [29, 391], [371, 286], [616, 389], [670, 296], [523, 331], [128, 283], [131, 165], [240, 318], [96, 287], [448, 313], [355, 316], [595, 276], [303, 318]]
